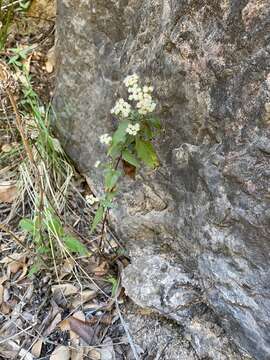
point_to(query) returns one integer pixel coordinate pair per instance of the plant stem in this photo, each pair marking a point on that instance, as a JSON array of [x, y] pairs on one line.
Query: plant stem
[[104, 221]]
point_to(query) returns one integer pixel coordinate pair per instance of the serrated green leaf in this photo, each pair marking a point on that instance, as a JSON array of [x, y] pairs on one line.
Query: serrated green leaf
[[55, 226], [111, 177], [27, 225], [98, 218], [43, 250], [130, 158], [74, 245], [146, 153]]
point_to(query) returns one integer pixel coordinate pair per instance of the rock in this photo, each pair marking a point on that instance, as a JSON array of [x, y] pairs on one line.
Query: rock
[[205, 212], [159, 339], [155, 338], [154, 283]]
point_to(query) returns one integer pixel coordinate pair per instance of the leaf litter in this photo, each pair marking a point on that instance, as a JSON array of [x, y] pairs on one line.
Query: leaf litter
[[72, 315]]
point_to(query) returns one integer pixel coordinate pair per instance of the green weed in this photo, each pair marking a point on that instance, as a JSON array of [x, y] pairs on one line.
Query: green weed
[[45, 177]]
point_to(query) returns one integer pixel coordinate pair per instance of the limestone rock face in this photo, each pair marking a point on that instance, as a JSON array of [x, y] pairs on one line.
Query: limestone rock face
[[200, 224]]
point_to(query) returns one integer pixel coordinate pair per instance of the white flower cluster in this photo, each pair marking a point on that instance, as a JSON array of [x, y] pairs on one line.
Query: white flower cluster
[[121, 108], [97, 163], [135, 93], [133, 129], [105, 139], [131, 80], [91, 199], [145, 103]]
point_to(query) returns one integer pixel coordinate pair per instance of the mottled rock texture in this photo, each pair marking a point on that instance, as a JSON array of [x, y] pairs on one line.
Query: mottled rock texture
[[198, 228]]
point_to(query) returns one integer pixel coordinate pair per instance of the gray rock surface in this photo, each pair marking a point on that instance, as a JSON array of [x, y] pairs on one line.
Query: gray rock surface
[[155, 338], [205, 213]]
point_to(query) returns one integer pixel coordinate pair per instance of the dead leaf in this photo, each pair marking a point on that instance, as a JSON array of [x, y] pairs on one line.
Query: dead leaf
[[64, 289], [5, 308], [1, 293], [6, 148], [3, 279], [36, 348], [83, 297], [106, 352], [6, 295], [8, 191], [60, 353], [11, 350], [102, 269], [64, 325], [79, 315], [85, 331], [75, 338], [94, 354], [50, 63], [78, 354], [14, 263], [78, 328], [53, 325], [129, 169], [66, 268]]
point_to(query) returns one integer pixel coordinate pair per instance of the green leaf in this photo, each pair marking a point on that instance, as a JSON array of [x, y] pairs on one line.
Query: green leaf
[[114, 282], [148, 132], [98, 218], [25, 5], [43, 250], [74, 245], [55, 226], [154, 121], [130, 158], [27, 225], [114, 151], [146, 153], [118, 138], [34, 269], [111, 177], [107, 202], [120, 134]]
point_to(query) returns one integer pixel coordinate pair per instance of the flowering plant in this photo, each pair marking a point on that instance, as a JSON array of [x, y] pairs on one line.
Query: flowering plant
[[131, 144]]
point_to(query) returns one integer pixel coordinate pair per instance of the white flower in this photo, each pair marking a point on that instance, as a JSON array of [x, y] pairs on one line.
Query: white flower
[[148, 89], [146, 104], [136, 93], [91, 199], [131, 80], [121, 108], [105, 139], [97, 163], [133, 129]]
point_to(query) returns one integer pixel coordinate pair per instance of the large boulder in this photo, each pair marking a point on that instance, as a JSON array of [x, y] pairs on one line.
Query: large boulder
[[198, 228]]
